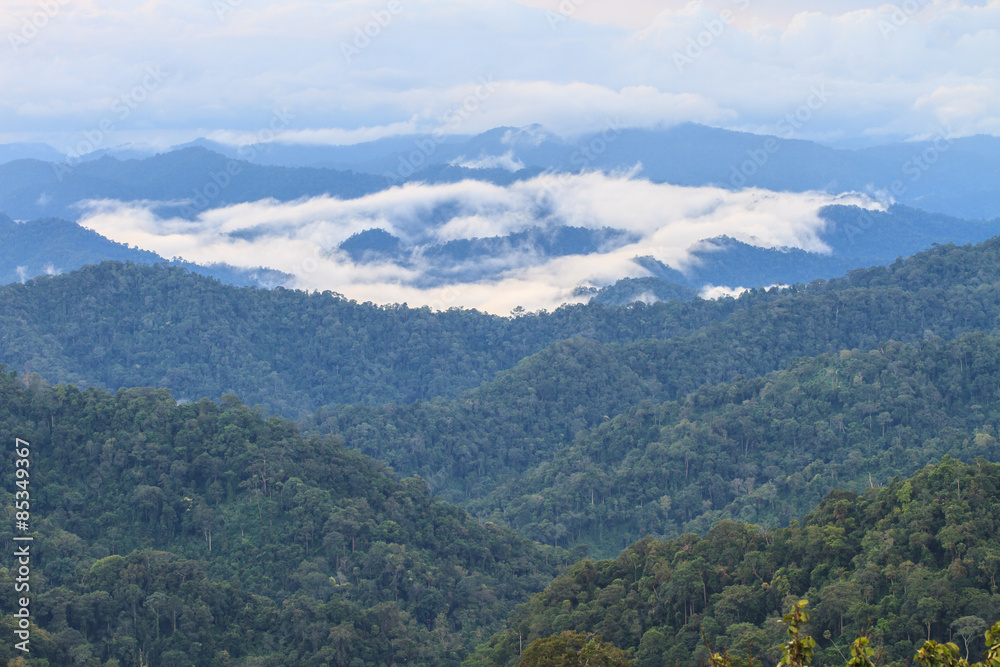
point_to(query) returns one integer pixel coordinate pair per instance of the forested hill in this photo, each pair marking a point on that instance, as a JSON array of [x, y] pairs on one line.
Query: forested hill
[[521, 420], [916, 559], [208, 532], [119, 325], [205, 534], [761, 449]]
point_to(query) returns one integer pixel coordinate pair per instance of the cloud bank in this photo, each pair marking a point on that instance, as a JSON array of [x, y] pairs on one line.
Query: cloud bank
[[303, 237], [348, 68]]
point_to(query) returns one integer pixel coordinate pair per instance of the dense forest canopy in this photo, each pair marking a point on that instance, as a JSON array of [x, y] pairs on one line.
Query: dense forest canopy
[[573, 445], [121, 325], [762, 449], [182, 527], [184, 533], [557, 333], [917, 559]]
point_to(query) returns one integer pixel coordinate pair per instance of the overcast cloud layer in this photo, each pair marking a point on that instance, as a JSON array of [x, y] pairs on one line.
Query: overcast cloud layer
[[166, 71], [301, 237]]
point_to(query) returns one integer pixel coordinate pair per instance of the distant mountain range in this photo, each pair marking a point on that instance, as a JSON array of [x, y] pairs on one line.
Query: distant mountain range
[[186, 181], [946, 192], [858, 238], [957, 177]]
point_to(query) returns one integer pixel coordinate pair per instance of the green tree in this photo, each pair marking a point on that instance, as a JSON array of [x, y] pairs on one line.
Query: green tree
[[573, 649]]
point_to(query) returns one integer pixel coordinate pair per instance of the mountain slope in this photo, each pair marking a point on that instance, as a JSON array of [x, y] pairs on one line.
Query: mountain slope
[[205, 528], [53, 246], [117, 325], [760, 450], [28, 151], [899, 564], [857, 239], [532, 414], [953, 176], [188, 182], [195, 178]]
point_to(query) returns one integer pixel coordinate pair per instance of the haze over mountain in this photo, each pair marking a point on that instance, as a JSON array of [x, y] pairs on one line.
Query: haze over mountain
[[185, 182], [50, 246]]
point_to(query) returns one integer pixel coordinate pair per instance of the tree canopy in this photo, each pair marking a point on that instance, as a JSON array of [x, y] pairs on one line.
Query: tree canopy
[[900, 565]]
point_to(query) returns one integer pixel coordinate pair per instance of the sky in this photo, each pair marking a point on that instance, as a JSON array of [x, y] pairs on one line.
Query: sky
[[352, 70]]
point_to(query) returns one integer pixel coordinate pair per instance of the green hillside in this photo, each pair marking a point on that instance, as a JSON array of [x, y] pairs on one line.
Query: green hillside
[[121, 325], [764, 449], [175, 529], [540, 444], [900, 563], [182, 534]]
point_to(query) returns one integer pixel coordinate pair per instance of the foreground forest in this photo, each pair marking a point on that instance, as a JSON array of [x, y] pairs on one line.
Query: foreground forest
[[917, 559], [206, 533]]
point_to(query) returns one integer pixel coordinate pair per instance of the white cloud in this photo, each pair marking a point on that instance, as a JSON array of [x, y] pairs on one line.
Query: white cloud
[[720, 291], [301, 237], [506, 161], [321, 137], [965, 109]]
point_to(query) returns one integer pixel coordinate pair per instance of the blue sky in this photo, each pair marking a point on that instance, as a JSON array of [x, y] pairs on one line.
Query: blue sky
[[341, 72]]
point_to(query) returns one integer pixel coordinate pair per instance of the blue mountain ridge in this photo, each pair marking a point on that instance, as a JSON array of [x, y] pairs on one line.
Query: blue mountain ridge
[[955, 176]]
